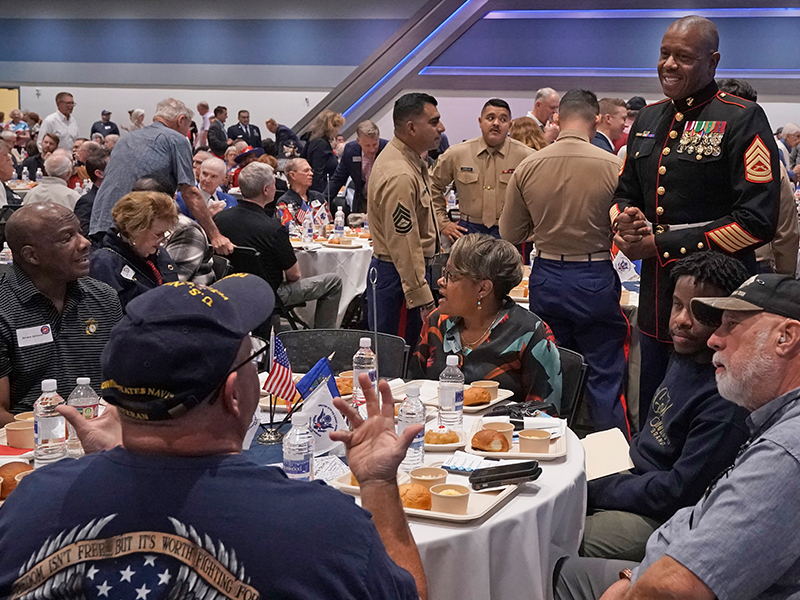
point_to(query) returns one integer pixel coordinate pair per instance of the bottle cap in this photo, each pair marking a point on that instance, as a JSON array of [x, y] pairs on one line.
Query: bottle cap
[[365, 342], [452, 360], [83, 381], [49, 385], [412, 389], [300, 418]]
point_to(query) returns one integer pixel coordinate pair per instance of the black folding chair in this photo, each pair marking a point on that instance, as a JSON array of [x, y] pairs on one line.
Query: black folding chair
[[573, 384], [305, 348]]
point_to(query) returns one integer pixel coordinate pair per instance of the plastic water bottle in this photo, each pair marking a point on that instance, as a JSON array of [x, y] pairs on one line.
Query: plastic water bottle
[[83, 398], [39, 174], [26, 178], [308, 228], [49, 427], [298, 449], [338, 224], [5, 255], [412, 411], [365, 227], [14, 178], [451, 395], [364, 361]]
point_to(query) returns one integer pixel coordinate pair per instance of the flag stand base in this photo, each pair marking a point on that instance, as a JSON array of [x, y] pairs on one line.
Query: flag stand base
[[270, 437]]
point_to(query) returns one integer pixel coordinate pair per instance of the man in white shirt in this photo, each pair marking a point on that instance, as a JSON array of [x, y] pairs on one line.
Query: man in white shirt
[[53, 187], [205, 123], [545, 105], [61, 122]]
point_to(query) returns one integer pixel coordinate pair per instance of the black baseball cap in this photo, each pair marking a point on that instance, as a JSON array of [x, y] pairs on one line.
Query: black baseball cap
[[177, 343], [636, 103], [772, 293]]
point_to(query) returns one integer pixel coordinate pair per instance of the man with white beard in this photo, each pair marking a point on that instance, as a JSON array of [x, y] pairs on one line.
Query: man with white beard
[[739, 540]]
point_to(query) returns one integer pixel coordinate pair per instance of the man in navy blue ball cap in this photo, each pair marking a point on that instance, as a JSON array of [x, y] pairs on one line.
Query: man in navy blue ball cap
[[177, 510]]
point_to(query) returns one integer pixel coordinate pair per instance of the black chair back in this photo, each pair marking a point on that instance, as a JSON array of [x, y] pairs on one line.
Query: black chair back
[[305, 347], [573, 381], [222, 266]]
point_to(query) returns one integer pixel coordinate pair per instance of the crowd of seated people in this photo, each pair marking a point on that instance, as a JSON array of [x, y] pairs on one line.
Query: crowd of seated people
[[160, 207]]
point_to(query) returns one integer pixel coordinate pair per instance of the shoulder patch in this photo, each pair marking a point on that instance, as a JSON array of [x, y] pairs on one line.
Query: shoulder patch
[[757, 165], [401, 217]]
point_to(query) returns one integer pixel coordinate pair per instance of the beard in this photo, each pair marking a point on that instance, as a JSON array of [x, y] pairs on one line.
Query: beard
[[750, 379]]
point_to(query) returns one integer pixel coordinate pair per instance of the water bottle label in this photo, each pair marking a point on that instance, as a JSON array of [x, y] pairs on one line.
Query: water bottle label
[[298, 469], [49, 430], [89, 411], [419, 441], [459, 400], [447, 398]]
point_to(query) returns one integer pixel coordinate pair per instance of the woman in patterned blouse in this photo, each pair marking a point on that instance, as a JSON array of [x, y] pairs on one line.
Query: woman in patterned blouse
[[494, 337]]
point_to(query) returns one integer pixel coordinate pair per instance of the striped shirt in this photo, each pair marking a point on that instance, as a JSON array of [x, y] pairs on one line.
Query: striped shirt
[[61, 346]]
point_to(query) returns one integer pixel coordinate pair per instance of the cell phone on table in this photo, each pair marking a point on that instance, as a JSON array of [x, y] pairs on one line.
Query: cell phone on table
[[505, 475]]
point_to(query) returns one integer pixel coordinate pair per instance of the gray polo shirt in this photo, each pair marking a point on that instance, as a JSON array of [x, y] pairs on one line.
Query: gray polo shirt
[[153, 150], [742, 539]]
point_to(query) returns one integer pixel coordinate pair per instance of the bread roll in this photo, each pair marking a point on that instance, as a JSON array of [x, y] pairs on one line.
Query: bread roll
[[8, 471], [344, 385], [441, 435], [414, 495], [334, 241], [475, 396], [489, 440]]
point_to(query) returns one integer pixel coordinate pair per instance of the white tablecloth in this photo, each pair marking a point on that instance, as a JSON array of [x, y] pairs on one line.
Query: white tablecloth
[[511, 553], [349, 264]]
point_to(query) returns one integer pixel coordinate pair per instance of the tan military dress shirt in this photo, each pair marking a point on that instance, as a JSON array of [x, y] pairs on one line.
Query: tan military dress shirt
[[401, 218], [562, 195], [481, 175], [782, 251]]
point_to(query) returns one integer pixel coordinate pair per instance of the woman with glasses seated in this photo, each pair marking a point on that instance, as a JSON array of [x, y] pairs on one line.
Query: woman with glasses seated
[[494, 338], [130, 257]]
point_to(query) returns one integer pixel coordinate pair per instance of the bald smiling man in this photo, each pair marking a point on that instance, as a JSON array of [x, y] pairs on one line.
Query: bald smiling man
[[54, 319]]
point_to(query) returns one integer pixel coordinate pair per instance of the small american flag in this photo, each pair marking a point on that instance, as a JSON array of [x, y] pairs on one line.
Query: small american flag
[[302, 212], [279, 381]]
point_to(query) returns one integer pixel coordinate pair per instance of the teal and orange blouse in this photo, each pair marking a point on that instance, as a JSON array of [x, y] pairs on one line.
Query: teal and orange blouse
[[520, 353]]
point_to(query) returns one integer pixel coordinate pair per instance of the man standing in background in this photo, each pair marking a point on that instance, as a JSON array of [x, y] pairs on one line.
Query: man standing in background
[[61, 123]]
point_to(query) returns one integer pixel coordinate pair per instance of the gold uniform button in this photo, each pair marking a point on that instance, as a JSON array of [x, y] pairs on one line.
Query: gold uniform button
[[683, 250], [665, 151], [699, 157], [673, 134], [666, 254], [659, 229], [722, 95], [679, 117], [661, 191], [660, 210], [700, 245], [662, 170]]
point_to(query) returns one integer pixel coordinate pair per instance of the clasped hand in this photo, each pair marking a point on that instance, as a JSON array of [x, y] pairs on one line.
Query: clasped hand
[[633, 235]]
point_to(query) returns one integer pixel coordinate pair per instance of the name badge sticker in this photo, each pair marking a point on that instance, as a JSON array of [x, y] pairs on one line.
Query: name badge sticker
[[127, 273], [33, 336], [356, 159]]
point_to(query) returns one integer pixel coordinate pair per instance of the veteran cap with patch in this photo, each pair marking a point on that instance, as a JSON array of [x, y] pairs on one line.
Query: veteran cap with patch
[[772, 293], [177, 342]]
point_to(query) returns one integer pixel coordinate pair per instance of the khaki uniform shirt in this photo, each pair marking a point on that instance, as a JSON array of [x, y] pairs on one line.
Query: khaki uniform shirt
[[481, 175], [562, 194], [401, 218], [782, 251]]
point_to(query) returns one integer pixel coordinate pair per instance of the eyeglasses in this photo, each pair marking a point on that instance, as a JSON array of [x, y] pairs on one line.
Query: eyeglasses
[[449, 275], [259, 358]]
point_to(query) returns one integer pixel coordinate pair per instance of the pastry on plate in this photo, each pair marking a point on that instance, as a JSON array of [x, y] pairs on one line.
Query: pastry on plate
[[475, 396], [414, 495], [489, 440], [441, 435], [344, 385]]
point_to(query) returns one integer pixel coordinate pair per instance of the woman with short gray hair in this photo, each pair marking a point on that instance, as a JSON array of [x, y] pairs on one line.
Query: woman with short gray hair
[[494, 338]]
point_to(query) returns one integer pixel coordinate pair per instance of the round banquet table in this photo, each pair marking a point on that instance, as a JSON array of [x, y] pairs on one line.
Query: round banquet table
[[510, 553], [349, 263]]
